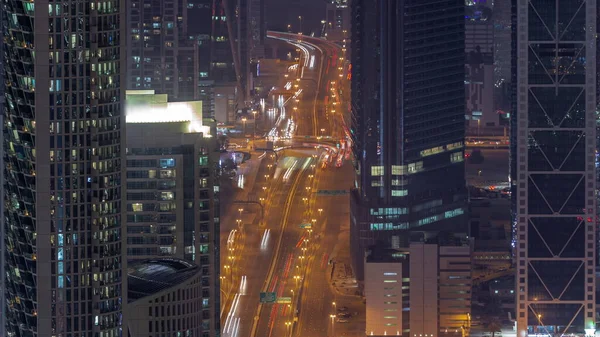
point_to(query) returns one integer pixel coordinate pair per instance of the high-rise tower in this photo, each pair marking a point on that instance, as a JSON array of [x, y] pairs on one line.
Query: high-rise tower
[[161, 56], [64, 163], [408, 103], [553, 174]]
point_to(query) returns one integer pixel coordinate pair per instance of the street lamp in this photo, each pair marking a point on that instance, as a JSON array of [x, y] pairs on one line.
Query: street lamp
[[300, 18], [244, 122], [332, 324], [320, 211], [254, 114], [240, 210]]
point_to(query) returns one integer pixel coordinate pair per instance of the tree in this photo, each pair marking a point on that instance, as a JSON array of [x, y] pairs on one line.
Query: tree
[[492, 325]]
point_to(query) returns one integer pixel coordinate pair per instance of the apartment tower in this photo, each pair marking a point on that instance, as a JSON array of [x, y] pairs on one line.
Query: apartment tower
[[63, 167], [552, 173]]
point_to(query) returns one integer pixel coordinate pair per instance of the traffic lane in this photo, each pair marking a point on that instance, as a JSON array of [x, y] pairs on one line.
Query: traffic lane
[[239, 322], [289, 263], [259, 264], [317, 296], [294, 265], [245, 255], [271, 314], [318, 304]]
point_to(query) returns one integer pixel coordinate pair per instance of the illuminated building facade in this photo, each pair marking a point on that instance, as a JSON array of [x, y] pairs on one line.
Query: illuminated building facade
[[337, 19], [552, 171], [173, 192], [64, 155], [420, 290], [160, 55], [408, 104]]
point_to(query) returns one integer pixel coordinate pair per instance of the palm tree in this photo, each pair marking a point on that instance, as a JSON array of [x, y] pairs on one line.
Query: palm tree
[[492, 325]]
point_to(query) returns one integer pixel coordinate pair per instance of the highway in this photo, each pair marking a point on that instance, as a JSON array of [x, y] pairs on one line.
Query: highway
[[286, 250]]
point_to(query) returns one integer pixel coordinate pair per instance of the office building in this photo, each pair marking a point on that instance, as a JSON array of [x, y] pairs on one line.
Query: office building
[[64, 151], [337, 20], [479, 85], [258, 28], [552, 171], [159, 54], [479, 29], [408, 105], [173, 188], [502, 43], [421, 290], [166, 298]]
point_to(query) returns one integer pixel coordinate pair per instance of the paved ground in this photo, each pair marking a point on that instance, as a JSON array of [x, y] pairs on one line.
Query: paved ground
[[493, 170]]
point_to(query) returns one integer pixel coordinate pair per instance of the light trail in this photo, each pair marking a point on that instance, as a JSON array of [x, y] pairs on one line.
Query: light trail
[[231, 238], [264, 243], [243, 285], [289, 171], [241, 181]]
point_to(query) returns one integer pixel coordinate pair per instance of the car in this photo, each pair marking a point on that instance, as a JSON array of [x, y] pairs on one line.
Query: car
[[342, 309], [342, 320], [344, 315]]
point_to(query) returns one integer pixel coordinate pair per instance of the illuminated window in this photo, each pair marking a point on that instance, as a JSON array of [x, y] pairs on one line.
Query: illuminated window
[[137, 207], [415, 167], [168, 162], [432, 151], [167, 174], [398, 170], [398, 182], [376, 183], [456, 157], [167, 195], [453, 146], [376, 171], [399, 193]]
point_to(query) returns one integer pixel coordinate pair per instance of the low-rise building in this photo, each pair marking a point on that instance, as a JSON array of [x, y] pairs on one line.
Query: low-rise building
[[423, 290], [166, 299]]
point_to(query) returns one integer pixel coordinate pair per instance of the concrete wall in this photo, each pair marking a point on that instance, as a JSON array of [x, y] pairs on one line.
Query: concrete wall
[[383, 293], [423, 290]]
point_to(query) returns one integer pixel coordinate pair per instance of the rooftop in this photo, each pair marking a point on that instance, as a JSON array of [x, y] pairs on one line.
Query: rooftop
[[152, 276]]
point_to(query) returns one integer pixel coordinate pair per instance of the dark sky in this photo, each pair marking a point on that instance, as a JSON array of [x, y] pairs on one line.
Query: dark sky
[[280, 13]]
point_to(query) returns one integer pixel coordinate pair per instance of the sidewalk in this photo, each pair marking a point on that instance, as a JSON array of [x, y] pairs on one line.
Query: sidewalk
[[341, 276]]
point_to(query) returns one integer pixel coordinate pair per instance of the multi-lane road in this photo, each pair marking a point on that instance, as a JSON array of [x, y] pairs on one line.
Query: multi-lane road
[[281, 242]]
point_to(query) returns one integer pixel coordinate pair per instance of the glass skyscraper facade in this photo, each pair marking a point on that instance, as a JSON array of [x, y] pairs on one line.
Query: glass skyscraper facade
[[553, 172], [408, 103], [64, 155]]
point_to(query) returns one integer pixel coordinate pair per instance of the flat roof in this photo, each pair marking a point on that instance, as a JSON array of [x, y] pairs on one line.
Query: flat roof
[[148, 277]]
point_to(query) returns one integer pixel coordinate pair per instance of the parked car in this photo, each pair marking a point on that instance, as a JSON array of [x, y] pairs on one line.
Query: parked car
[[342, 309]]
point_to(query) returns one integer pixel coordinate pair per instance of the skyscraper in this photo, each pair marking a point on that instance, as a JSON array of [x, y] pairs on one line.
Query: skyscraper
[[408, 103], [64, 161], [553, 175], [160, 54]]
